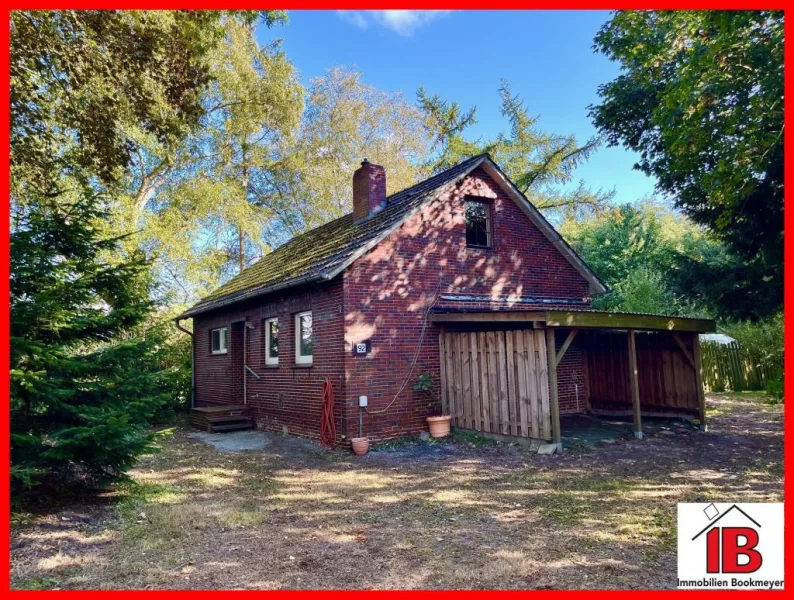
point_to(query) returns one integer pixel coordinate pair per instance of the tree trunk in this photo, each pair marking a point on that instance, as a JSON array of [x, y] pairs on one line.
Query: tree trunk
[[240, 233]]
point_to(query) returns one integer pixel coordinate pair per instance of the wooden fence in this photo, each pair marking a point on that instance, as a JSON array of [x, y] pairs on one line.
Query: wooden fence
[[497, 382], [731, 367], [666, 379]]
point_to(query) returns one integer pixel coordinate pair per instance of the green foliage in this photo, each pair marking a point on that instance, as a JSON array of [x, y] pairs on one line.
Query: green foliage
[[91, 93], [715, 276], [345, 121], [85, 380], [700, 98], [634, 248], [88, 87], [763, 341], [424, 383], [541, 164], [278, 164]]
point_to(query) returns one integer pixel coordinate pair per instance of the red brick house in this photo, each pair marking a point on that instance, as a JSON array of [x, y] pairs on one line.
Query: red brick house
[[367, 299]]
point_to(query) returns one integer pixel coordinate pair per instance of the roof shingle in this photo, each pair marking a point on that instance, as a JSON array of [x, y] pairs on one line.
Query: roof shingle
[[321, 253]]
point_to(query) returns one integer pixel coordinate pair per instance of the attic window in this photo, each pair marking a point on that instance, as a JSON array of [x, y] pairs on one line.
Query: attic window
[[478, 224]]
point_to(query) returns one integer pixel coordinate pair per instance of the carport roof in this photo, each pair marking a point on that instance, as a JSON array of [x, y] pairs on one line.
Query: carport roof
[[586, 319]]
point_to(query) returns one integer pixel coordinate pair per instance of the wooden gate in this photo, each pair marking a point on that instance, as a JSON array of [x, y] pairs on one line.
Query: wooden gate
[[496, 382]]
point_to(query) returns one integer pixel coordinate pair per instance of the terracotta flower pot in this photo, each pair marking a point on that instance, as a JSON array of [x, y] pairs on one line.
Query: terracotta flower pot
[[439, 426], [360, 445]]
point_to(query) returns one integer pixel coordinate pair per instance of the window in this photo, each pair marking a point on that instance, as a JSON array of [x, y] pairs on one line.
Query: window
[[218, 340], [303, 338], [271, 342], [478, 224]]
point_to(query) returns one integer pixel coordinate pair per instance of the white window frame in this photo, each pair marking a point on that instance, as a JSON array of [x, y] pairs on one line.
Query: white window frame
[[302, 359], [271, 361], [223, 340]]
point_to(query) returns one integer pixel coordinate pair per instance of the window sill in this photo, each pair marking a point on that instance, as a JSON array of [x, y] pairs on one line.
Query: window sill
[[271, 366], [218, 353], [479, 247]]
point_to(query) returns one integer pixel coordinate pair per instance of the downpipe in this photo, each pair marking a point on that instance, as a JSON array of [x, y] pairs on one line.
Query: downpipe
[[192, 362]]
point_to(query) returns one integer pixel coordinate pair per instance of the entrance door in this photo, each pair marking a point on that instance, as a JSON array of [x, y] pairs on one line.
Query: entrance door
[[497, 382]]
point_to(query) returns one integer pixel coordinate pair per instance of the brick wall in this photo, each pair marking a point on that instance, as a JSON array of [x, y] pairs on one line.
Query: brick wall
[[387, 293], [571, 385], [383, 298], [287, 395]]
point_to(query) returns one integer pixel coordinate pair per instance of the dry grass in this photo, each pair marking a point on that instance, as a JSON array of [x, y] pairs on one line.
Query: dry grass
[[476, 516]]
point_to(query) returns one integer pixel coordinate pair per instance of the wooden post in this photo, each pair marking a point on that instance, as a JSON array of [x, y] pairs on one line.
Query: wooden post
[[554, 398], [699, 381], [635, 385]]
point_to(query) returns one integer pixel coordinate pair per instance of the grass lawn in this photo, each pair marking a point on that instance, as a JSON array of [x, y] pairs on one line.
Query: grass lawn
[[457, 514]]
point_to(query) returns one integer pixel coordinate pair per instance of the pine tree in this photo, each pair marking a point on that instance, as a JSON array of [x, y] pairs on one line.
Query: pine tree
[[84, 380]]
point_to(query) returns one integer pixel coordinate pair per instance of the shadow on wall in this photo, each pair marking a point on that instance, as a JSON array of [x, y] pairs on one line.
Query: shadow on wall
[[389, 291]]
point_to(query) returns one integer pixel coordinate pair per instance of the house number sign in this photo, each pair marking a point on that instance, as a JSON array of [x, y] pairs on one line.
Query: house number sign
[[362, 348]]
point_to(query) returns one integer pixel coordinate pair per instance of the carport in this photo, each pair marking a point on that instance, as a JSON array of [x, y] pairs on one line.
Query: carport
[[500, 370]]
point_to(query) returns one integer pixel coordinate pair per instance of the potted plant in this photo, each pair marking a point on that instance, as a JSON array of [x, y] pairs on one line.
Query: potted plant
[[360, 445], [439, 426]]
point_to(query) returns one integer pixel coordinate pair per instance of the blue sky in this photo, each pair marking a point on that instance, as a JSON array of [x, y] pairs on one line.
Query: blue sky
[[462, 55]]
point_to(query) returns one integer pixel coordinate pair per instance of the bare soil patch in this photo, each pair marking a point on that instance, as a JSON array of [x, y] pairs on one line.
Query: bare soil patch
[[459, 514]]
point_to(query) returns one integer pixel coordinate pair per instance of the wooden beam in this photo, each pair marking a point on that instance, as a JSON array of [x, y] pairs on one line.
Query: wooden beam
[[606, 320], [681, 345], [576, 319], [567, 343], [488, 317], [635, 385], [554, 397], [699, 382]]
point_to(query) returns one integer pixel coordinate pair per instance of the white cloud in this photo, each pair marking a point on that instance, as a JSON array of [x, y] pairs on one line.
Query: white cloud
[[403, 22]]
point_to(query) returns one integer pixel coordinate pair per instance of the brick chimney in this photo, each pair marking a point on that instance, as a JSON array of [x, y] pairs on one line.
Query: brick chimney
[[369, 190]]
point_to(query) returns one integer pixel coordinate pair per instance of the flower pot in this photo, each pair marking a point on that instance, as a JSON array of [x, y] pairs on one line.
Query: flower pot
[[439, 426], [360, 445]]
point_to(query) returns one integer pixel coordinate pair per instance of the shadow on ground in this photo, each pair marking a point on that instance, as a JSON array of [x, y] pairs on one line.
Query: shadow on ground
[[445, 515]]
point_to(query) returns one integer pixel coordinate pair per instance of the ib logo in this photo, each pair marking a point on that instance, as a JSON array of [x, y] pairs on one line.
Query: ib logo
[[730, 546]]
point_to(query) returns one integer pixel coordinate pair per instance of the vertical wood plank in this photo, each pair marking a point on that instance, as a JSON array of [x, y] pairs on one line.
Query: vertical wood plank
[[448, 344], [466, 377], [522, 372], [635, 388], [475, 383], [501, 377], [554, 399], [534, 384], [442, 349], [453, 401], [460, 420], [586, 376], [512, 384], [541, 362], [485, 396], [699, 380], [493, 382]]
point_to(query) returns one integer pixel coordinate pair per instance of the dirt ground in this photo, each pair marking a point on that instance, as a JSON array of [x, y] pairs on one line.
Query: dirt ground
[[464, 513]]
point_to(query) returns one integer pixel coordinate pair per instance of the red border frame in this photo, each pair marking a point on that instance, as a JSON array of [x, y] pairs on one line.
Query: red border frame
[[395, 4]]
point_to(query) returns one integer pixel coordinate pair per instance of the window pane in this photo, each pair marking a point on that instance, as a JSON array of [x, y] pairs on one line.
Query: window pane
[[273, 339], [477, 224], [216, 340], [306, 335]]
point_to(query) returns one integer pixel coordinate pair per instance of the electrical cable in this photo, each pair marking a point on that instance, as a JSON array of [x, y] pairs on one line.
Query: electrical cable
[[416, 352], [328, 426]]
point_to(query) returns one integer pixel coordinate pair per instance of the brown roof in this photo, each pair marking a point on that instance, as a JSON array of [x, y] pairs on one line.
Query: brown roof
[[322, 253]]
